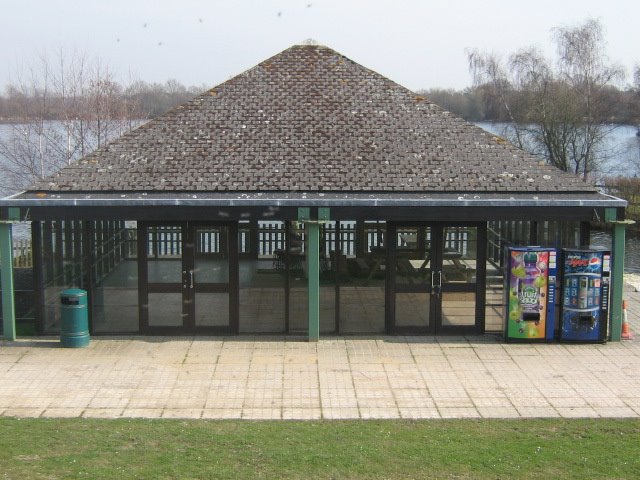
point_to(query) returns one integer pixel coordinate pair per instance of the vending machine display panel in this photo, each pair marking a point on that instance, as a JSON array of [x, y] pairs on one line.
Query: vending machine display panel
[[585, 295], [530, 302]]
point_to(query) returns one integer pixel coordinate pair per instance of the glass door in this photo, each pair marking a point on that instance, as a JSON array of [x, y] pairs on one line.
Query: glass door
[[160, 276], [413, 276], [437, 283], [185, 274], [462, 286], [211, 274]]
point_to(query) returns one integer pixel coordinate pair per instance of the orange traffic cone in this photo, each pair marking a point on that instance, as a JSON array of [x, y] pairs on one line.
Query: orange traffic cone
[[626, 334]]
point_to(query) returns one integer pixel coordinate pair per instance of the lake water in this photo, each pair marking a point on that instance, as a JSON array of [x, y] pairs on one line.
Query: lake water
[[632, 248], [621, 149]]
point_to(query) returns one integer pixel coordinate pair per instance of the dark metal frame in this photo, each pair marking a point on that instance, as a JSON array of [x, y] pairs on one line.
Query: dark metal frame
[[391, 213], [436, 257], [84, 244], [188, 294], [38, 274]]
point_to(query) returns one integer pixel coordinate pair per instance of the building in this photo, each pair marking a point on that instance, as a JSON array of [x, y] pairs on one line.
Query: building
[[307, 195]]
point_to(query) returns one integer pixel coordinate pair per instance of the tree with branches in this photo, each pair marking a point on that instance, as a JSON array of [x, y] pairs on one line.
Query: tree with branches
[[558, 110], [63, 109]]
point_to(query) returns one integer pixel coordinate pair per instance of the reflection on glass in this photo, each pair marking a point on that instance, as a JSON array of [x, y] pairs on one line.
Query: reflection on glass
[[298, 308], [494, 309], [460, 255], [211, 255], [558, 232], [412, 309], [165, 310], [262, 307], [362, 309], [494, 300], [458, 309], [262, 280], [413, 255], [116, 299], [494, 318], [62, 267], [327, 308], [298, 283], [360, 268], [164, 254], [212, 309], [164, 270]]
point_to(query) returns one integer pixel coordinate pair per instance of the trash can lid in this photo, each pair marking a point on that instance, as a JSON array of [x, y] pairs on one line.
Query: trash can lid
[[77, 292]]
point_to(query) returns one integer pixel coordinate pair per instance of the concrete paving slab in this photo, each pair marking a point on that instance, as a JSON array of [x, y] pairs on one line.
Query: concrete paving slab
[[337, 378]]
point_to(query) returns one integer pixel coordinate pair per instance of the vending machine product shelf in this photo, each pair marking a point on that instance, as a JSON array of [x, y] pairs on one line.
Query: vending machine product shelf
[[585, 295]]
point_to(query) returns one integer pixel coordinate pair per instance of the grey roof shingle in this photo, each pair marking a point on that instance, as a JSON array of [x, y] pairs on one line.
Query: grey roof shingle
[[310, 119]]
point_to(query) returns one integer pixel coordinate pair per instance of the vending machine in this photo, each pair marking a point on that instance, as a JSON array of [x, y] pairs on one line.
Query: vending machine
[[585, 296], [530, 290]]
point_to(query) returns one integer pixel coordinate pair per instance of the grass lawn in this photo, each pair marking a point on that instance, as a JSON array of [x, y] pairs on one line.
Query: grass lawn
[[83, 448]]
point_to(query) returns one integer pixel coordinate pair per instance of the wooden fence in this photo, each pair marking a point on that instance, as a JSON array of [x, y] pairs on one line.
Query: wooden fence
[[22, 253]]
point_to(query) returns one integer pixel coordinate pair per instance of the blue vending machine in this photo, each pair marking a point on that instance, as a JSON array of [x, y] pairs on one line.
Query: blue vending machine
[[585, 295]]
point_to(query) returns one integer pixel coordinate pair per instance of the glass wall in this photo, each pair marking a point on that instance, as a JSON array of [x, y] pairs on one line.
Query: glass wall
[[116, 277], [273, 278], [459, 276], [559, 234], [328, 276], [298, 283], [360, 269], [68, 250], [60, 245], [500, 234], [262, 247]]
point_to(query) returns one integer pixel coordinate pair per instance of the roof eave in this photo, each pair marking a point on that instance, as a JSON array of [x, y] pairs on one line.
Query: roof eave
[[314, 200]]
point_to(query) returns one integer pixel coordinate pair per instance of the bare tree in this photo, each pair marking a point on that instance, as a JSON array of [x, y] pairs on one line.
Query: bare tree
[[636, 92], [65, 108], [556, 110]]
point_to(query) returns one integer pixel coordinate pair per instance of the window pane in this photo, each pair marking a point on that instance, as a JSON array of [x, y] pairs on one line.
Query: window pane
[[413, 255], [458, 309], [164, 253], [262, 280], [460, 255], [360, 264], [165, 310], [211, 255], [116, 292], [412, 309], [212, 309]]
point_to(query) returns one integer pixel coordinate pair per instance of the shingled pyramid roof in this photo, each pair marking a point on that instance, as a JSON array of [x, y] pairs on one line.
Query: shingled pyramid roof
[[310, 119]]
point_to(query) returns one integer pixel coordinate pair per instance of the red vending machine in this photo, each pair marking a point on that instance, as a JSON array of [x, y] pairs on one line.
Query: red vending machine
[[530, 290]]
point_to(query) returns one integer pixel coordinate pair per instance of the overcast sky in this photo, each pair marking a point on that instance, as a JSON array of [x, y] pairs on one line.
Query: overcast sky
[[419, 44]]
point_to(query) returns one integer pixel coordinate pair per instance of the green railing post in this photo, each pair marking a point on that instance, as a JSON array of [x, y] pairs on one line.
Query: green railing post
[[6, 279], [312, 229], [617, 280]]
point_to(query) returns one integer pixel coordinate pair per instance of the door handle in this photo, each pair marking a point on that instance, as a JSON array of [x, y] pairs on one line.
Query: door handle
[[436, 281], [187, 283]]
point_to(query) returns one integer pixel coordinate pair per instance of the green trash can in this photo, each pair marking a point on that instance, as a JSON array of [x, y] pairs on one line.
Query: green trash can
[[74, 318]]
